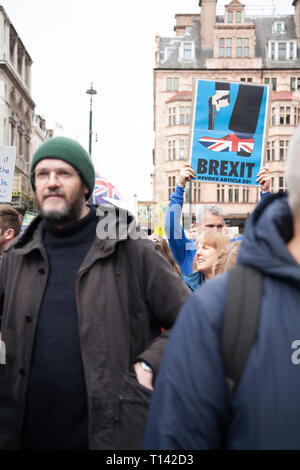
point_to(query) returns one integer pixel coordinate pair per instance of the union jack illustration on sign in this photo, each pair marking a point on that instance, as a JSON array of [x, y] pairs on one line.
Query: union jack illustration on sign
[[229, 143]]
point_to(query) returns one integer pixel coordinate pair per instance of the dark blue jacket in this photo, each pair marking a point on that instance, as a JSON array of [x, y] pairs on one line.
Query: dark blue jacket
[[189, 407]]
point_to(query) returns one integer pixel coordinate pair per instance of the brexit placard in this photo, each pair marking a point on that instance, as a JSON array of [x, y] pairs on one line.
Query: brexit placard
[[229, 131], [7, 171]]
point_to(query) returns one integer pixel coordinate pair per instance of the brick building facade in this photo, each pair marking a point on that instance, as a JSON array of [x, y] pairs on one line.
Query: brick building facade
[[232, 47]]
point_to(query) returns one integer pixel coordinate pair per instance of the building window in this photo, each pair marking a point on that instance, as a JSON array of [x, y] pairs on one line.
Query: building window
[[230, 17], [294, 83], [246, 47], [273, 82], [285, 115], [239, 50], [185, 115], [172, 84], [238, 16], [222, 45], [281, 150], [245, 195], [288, 115], [282, 51], [272, 183], [171, 185], [172, 150], [272, 50], [281, 183], [273, 155], [296, 116], [273, 116], [181, 149], [196, 192], [188, 115], [182, 115], [220, 193], [187, 51], [175, 152], [291, 50], [230, 194], [268, 152], [236, 195], [278, 27], [174, 120], [12, 134], [242, 47], [281, 115], [248, 79], [228, 47]]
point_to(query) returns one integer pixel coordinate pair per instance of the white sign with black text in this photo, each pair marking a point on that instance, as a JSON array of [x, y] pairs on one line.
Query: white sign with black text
[[7, 171]]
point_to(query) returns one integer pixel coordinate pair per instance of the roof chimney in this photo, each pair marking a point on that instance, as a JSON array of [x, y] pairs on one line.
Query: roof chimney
[[296, 4], [208, 20]]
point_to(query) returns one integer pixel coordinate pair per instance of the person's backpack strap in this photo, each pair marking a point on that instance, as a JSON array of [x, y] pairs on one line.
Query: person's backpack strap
[[240, 321]]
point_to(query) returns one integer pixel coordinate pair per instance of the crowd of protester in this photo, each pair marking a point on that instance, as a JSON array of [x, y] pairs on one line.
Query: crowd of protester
[[97, 329]]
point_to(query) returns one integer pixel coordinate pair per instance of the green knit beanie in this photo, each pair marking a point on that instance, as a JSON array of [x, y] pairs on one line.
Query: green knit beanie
[[69, 151]]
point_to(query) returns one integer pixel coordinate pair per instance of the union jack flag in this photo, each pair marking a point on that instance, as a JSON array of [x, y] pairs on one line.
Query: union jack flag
[[103, 188], [229, 143]]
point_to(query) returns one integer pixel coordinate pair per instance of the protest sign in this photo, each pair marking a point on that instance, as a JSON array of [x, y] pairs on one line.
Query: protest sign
[[151, 216], [27, 219], [7, 170], [229, 131]]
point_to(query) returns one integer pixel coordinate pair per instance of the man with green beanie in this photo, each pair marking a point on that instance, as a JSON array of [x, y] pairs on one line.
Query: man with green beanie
[[81, 313]]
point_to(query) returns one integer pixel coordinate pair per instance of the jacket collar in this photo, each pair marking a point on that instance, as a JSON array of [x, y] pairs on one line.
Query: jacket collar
[[120, 224]]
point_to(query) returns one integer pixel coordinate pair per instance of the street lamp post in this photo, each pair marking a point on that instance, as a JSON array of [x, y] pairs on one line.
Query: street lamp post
[[91, 92]]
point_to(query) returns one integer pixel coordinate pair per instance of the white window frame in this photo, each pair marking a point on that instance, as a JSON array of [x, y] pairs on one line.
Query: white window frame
[[287, 51], [181, 51], [282, 27]]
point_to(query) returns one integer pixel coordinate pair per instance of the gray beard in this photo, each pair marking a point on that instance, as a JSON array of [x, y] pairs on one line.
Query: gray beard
[[66, 216]]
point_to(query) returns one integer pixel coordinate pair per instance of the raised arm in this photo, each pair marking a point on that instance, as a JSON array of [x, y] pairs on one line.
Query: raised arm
[[173, 228]]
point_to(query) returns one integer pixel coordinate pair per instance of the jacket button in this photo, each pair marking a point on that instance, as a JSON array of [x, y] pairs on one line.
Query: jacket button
[[42, 271], [28, 319], [22, 372]]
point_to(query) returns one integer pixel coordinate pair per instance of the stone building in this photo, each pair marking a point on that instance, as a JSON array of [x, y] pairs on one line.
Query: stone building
[[16, 106], [260, 49]]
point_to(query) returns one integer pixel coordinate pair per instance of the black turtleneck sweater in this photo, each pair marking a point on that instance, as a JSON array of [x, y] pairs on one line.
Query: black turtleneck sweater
[[56, 414]]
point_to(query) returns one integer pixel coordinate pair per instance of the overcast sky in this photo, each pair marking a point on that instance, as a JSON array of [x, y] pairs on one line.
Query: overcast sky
[[112, 44]]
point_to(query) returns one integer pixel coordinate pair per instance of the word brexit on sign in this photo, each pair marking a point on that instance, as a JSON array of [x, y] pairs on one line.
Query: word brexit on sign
[[225, 171], [7, 170]]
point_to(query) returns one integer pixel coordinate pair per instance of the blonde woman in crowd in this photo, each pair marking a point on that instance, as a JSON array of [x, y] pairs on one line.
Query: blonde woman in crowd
[[208, 247]]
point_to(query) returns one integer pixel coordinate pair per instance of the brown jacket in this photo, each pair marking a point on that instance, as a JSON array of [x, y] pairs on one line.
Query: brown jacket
[[125, 293]]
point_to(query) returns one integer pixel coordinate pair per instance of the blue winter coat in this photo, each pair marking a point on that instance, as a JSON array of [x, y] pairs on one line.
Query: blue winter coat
[[183, 249], [189, 406]]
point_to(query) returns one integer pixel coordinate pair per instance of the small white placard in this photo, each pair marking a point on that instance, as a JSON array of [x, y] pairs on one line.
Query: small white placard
[[7, 171]]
